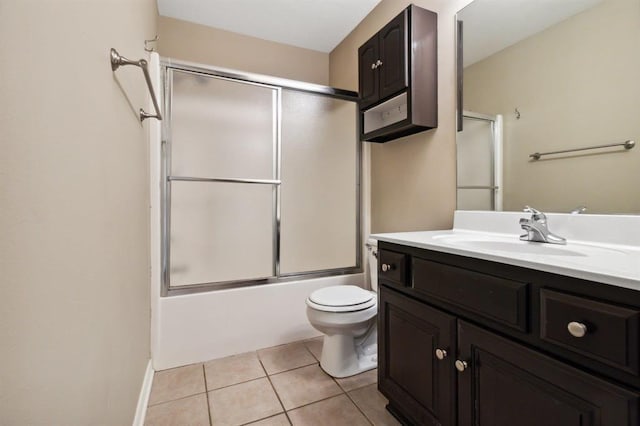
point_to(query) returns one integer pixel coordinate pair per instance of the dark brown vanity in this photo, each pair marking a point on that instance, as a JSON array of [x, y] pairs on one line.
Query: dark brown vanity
[[398, 80], [465, 341]]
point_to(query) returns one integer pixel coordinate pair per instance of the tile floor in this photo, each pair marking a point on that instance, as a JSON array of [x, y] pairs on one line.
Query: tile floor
[[283, 385]]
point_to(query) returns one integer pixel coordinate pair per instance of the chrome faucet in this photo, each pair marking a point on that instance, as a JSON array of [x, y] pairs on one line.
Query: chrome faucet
[[537, 229]]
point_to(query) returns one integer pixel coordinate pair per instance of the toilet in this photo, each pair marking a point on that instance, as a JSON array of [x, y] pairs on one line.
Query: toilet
[[346, 315]]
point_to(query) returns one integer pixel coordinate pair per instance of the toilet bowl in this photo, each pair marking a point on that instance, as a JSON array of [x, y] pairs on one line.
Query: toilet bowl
[[346, 315]]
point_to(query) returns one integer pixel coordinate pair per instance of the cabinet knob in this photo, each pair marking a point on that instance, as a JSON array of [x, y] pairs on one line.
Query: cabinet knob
[[378, 63], [387, 267], [374, 66], [461, 365], [577, 329], [441, 354]]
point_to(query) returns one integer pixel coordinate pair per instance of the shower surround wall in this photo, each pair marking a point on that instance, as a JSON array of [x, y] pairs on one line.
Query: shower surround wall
[[198, 43]]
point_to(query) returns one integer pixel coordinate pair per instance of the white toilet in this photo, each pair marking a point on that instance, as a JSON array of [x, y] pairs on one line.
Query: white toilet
[[346, 314]]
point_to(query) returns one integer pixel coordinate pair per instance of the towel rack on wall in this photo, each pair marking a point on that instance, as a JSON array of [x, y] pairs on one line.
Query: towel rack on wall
[[117, 61], [627, 145]]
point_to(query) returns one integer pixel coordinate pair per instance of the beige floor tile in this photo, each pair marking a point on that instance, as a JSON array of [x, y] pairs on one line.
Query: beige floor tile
[[192, 411], [335, 411], [303, 386], [233, 370], [285, 357], [243, 403], [177, 383], [359, 380], [315, 346], [373, 403], [279, 420]]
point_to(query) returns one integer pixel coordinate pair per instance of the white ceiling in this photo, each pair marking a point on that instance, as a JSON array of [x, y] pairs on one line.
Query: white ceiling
[[313, 24], [493, 25]]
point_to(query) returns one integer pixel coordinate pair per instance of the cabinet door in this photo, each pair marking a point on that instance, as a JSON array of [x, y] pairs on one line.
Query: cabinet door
[[418, 385], [368, 73], [393, 55], [506, 384]]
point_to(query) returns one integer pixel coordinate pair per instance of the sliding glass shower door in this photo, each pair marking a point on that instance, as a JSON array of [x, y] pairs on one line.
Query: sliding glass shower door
[[223, 179], [479, 165], [261, 182]]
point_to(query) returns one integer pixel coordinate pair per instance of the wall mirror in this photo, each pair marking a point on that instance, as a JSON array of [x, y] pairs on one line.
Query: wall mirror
[[543, 76]]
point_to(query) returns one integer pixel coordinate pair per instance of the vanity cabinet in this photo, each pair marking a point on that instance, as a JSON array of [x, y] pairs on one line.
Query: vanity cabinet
[[465, 341], [420, 384], [397, 70], [503, 383]]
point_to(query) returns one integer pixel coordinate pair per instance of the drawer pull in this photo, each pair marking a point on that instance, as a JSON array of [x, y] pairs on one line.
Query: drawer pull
[[461, 365], [577, 329], [386, 267], [441, 354]]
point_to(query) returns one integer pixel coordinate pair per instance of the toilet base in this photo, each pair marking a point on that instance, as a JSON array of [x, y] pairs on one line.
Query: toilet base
[[344, 356]]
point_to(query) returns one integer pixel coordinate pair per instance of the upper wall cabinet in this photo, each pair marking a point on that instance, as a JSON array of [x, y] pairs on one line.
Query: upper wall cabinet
[[398, 79]]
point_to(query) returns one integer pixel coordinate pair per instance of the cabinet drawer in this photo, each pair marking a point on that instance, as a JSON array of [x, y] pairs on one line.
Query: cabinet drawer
[[499, 299], [392, 266], [610, 331]]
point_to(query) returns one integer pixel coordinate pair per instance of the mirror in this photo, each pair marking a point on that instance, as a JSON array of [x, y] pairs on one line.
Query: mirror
[[544, 76]]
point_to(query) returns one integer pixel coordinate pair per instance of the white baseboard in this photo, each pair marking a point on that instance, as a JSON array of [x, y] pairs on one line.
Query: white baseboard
[[143, 399]]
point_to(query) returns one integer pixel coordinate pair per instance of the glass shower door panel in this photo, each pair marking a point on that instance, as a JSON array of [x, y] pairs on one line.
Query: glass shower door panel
[[319, 183], [475, 199], [475, 153], [222, 128], [220, 232]]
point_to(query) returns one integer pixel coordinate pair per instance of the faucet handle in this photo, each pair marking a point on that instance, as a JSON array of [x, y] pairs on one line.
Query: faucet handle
[[535, 214], [529, 209]]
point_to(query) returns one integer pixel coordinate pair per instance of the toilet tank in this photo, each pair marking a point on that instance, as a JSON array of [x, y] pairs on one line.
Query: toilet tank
[[372, 259]]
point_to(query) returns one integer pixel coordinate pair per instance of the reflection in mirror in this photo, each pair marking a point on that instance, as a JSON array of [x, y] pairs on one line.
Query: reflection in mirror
[[562, 75]]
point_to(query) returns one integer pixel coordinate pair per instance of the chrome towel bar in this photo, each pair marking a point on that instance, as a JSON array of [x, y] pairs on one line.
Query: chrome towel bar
[[627, 145], [117, 61]]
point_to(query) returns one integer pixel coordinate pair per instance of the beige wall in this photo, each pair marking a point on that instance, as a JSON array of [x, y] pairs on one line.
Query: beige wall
[[212, 46], [575, 85], [74, 221], [413, 178]]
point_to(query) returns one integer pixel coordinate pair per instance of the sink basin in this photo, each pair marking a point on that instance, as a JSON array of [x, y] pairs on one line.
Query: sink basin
[[515, 246]]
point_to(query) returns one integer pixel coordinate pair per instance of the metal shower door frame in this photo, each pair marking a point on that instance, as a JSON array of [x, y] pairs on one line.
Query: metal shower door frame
[[168, 66]]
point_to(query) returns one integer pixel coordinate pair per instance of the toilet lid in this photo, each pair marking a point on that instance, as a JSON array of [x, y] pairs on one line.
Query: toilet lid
[[342, 298]]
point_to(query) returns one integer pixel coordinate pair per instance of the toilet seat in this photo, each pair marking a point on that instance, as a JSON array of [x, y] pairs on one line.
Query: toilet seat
[[343, 298]]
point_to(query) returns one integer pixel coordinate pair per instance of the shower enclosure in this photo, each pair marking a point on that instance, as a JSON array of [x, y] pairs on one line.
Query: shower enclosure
[[261, 180], [479, 162]]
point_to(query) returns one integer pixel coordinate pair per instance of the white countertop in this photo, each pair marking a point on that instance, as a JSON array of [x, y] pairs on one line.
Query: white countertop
[[614, 264]]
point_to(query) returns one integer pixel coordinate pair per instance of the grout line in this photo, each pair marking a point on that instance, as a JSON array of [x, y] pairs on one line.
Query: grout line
[[315, 362], [320, 400], [296, 368], [204, 373], [238, 383], [276, 392], [177, 399], [264, 418], [312, 354], [358, 407], [357, 386]]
